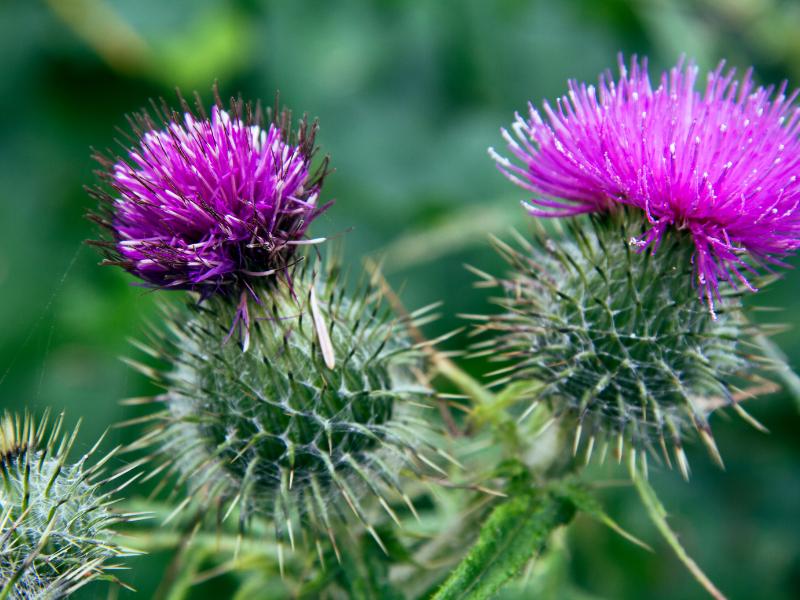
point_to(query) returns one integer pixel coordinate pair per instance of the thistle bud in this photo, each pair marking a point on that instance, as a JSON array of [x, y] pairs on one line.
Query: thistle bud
[[317, 417], [56, 521], [615, 333]]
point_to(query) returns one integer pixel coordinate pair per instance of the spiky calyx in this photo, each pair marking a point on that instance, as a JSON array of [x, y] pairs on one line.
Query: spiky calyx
[[616, 335], [316, 416], [56, 521]]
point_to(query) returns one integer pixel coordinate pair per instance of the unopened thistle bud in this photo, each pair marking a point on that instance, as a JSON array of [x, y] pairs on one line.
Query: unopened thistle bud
[[317, 419], [56, 534], [616, 335]]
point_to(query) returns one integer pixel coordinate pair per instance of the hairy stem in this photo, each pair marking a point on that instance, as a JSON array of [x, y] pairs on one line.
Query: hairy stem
[[516, 532]]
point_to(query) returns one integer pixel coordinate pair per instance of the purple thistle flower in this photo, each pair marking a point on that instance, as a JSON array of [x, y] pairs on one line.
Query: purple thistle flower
[[721, 164], [204, 203]]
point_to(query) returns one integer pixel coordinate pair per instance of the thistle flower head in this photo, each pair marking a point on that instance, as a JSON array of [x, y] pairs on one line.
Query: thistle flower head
[[56, 522], [315, 418], [203, 203], [721, 163], [615, 338]]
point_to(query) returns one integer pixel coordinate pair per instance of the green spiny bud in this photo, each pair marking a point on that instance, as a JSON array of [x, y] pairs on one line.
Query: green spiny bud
[[313, 419], [617, 336], [56, 521]]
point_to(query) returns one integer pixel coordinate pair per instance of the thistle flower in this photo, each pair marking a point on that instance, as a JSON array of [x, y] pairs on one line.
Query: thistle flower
[[210, 204], [615, 338], [721, 164], [56, 522], [317, 417]]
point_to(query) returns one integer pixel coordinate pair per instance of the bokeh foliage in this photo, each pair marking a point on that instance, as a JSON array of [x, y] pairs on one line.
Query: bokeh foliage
[[409, 94]]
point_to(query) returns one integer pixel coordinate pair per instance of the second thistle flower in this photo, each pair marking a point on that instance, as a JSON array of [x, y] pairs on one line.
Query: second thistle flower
[[688, 191], [210, 203], [720, 163]]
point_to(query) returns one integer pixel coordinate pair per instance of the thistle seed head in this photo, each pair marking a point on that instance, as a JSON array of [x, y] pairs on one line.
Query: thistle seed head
[[56, 521], [318, 415], [615, 335]]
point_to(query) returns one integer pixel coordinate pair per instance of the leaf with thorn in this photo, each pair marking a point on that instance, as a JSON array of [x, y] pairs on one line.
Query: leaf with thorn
[[515, 533], [658, 515]]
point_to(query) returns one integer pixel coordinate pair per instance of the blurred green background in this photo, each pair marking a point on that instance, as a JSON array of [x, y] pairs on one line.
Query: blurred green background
[[409, 94]]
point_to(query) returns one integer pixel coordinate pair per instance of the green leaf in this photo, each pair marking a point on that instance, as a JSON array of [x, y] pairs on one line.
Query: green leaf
[[189, 567], [780, 365], [584, 501], [364, 572], [658, 515], [516, 531]]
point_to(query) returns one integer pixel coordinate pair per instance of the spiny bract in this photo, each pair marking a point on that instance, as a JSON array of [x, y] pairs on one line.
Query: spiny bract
[[56, 521], [615, 334], [317, 414]]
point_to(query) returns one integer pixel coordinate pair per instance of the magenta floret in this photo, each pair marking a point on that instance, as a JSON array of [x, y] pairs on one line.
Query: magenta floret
[[203, 203], [721, 163]]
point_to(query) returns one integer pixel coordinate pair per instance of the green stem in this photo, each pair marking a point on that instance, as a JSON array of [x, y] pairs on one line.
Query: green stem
[[156, 540], [495, 412], [489, 408], [152, 537], [181, 587], [515, 532], [463, 381]]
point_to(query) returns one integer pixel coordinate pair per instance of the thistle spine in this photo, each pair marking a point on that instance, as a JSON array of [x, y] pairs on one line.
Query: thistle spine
[[616, 335], [313, 425], [56, 517]]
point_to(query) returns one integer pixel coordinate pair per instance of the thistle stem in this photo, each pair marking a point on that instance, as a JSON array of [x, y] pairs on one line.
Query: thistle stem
[[516, 531], [463, 380]]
